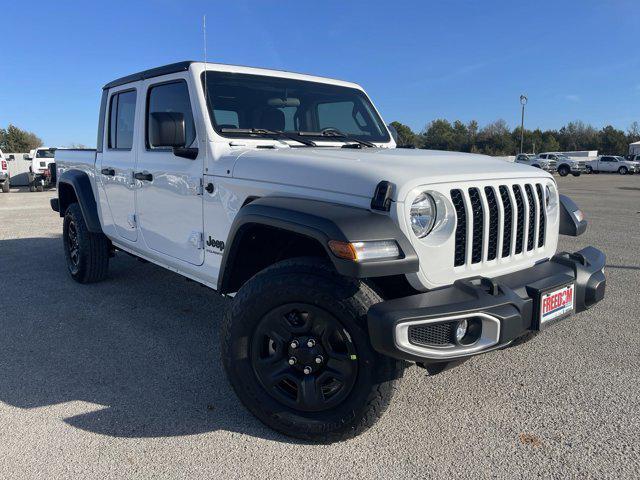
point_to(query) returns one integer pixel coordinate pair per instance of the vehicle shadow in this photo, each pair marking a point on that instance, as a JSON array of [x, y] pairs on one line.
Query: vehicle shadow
[[140, 347]]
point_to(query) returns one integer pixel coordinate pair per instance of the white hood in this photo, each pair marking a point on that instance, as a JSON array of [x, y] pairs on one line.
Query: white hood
[[358, 171]]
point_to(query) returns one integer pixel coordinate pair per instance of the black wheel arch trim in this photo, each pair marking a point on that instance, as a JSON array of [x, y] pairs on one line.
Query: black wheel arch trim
[[321, 221], [81, 184], [569, 224]]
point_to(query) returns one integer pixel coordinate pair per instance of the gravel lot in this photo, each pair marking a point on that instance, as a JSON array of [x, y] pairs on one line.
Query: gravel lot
[[122, 378]]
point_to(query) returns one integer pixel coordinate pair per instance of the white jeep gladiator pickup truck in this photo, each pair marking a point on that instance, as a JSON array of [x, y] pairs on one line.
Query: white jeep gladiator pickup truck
[[345, 256]]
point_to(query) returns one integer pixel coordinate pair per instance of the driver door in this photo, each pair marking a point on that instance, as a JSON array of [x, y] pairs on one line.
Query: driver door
[[169, 200]]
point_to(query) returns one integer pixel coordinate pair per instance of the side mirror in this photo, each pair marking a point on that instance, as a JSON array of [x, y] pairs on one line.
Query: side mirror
[[26, 156], [394, 132], [167, 129]]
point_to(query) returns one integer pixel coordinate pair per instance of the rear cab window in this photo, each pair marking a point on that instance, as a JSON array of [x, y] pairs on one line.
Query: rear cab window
[[122, 113]]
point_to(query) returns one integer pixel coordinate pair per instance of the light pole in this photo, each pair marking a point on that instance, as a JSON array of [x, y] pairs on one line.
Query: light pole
[[523, 102]]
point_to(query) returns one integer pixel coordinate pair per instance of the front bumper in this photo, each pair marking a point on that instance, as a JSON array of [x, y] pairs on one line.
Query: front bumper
[[506, 307]]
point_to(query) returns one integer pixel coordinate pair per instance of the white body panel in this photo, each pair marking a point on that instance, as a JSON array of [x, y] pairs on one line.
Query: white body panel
[[172, 208]]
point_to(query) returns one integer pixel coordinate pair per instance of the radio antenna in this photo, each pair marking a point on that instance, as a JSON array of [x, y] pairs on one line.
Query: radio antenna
[[204, 37]]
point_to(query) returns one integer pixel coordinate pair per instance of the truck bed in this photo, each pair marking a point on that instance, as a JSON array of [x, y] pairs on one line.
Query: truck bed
[[77, 158]]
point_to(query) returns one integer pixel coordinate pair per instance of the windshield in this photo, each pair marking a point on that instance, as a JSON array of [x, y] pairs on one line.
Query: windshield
[[241, 101], [49, 153]]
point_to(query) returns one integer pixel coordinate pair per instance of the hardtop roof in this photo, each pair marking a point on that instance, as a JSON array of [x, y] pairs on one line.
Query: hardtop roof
[[184, 66]]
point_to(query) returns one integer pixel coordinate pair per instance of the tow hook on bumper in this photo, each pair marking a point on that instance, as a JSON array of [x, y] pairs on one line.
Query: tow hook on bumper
[[426, 327]]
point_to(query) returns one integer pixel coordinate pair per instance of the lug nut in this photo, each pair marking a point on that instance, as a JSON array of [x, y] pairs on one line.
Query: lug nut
[[319, 359], [307, 370], [311, 343], [292, 361], [294, 344]]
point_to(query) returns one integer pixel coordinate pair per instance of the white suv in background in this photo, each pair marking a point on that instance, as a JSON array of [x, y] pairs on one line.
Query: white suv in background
[[566, 165], [546, 164]]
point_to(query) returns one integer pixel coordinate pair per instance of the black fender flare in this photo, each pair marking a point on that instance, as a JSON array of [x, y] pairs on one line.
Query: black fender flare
[[570, 222], [81, 184], [322, 221]]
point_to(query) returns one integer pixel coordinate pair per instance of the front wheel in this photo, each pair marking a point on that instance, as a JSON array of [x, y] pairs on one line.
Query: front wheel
[[86, 253], [6, 186], [563, 171], [623, 170], [589, 169], [296, 350]]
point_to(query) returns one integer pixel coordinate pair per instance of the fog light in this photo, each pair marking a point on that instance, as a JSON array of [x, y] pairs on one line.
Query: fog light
[[461, 330]]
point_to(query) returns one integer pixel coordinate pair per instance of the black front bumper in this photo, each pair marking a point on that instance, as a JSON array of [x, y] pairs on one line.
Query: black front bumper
[[509, 300]]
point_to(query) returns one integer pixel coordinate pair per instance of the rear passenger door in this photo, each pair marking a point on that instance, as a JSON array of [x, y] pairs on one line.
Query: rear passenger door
[[169, 198], [117, 162]]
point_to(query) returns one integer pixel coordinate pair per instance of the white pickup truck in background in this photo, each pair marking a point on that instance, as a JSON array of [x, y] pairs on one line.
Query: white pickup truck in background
[[613, 163], [565, 165], [40, 173], [4, 174], [546, 164]]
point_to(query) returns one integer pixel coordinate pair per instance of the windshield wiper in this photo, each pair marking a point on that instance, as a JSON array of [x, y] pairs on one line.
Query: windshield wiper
[[264, 131], [335, 133]]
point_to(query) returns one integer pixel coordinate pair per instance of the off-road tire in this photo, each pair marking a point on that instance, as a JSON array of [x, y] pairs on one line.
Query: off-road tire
[[6, 186], [313, 282], [92, 248], [563, 171], [623, 170]]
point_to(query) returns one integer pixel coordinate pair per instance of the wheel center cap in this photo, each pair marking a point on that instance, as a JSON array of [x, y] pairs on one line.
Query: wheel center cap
[[304, 355]]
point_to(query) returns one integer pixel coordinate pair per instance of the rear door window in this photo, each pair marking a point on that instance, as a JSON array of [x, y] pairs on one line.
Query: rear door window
[[122, 114]]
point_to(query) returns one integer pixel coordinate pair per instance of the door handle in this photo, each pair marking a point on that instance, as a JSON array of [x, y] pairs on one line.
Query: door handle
[[108, 171], [144, 176]]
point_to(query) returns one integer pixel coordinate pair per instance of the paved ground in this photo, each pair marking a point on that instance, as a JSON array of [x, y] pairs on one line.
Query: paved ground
[[122, 378]]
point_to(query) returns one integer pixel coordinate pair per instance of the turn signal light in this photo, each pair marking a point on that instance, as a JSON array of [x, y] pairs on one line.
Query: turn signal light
[[359, 251]]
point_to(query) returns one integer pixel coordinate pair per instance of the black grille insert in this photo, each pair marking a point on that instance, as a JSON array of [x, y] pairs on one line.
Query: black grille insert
[[508, 221], [533, 210], [478, 225], [492, 252], [543, 216], [461, 227], [517, 192]]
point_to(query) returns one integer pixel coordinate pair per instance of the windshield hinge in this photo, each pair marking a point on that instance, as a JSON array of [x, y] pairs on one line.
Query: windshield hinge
[[200, 187]]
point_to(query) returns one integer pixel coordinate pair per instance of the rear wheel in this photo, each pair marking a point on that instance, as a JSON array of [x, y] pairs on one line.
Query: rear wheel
[[87, 253], [623, 170], [563, 170], [576, 174], [40, 188], [296, 350]]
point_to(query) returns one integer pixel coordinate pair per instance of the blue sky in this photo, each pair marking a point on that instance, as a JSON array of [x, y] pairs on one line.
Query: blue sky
[[418, 60]]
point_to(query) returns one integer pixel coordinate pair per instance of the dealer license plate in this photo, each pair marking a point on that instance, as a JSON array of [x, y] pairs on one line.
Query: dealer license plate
[[556, 304]]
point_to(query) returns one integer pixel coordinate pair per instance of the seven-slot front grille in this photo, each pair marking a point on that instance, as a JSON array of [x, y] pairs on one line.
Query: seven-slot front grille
[[493, 222]]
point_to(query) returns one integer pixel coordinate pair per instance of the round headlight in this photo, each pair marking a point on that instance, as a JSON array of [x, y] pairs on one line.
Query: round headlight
[[423, 214]]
